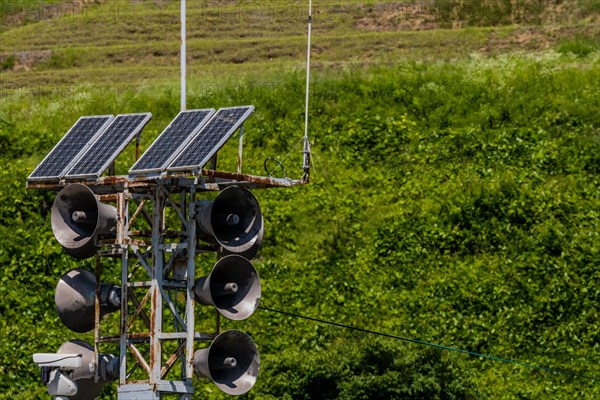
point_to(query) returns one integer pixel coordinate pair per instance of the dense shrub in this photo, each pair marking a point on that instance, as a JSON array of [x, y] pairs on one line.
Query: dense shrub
[[454, 203]]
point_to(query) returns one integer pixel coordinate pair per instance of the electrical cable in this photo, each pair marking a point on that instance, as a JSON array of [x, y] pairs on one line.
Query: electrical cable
[[280, 162], [278, 166], [438, 346]]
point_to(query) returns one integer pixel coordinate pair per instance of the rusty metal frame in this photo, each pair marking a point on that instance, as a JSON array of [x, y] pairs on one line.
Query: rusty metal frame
[[154, 262], [154, 271], [148, 258]]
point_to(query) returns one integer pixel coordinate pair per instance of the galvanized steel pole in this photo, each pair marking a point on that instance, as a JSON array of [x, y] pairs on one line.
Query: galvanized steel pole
[[183, 56]]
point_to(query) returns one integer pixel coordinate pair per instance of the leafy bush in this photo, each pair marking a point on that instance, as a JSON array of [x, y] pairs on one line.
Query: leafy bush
[[8, 63], [579, 46], [455, 203]]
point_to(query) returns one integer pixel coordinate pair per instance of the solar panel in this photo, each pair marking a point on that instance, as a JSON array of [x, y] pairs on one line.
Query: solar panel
[[108, 146], [210, 139], [68, 150], [171, 141]]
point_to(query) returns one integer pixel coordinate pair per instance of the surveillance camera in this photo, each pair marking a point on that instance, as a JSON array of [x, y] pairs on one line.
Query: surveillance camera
[[60, 385], [58, 361]]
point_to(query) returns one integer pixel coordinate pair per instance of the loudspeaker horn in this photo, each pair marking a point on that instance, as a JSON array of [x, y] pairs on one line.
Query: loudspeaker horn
[[75, 299], [233, 221], [87, 388], [78, 218], [233, 287], [232, 362]]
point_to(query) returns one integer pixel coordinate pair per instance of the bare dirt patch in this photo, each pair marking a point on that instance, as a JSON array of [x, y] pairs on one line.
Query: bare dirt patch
[[25, 60], [398, 16], [44, 11]]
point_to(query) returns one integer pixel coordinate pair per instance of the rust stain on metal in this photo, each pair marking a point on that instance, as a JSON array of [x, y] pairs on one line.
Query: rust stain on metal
[[152, 324], [139, 358], [135, 242], [139, 309], [259, 180], [108, 184], [121, 218], [109, 197], [145, 335], [97, 320], [140, 382], [171, 361], [137, 212]]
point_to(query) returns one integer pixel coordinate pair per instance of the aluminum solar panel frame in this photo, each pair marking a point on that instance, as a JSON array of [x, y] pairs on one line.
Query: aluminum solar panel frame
[[108, 146], [210, 139], [70, 148], [171, 141]]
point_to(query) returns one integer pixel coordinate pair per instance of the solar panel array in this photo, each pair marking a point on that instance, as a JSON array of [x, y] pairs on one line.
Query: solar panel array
[[210, 139], [70, 148], [94, 142], [108, 146], [171, 141]]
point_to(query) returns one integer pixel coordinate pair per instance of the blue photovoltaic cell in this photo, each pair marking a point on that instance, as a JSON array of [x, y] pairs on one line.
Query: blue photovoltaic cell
[[109, 145], [171, 141], [70, 147], [210, 138]]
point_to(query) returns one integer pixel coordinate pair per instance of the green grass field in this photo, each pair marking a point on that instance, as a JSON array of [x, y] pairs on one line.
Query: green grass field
[[455, 194], [119, 41]]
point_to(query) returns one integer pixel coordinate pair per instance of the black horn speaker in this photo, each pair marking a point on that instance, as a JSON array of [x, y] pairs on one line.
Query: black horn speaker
[[75, 299], [234, 222], [232, 362], [233, 287], [78, 218]]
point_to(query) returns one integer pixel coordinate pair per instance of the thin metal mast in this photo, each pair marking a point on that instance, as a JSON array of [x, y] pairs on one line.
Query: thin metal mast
[[306, 166], [183, 56]]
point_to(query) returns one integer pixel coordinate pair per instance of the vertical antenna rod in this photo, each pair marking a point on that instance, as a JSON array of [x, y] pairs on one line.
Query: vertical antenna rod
[[183, 55], [306, 166]]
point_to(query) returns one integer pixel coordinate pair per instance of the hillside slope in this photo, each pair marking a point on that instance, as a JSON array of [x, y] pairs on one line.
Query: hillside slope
[[129, 42]]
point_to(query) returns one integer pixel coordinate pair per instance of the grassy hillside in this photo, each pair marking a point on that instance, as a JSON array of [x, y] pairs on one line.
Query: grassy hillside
[[129, 42], [455, 195]]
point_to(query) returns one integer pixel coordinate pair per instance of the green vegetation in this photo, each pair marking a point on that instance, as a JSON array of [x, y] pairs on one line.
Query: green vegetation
[[457, 204], [580, 46], [455, 198], [125, 41], [8, 63]]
